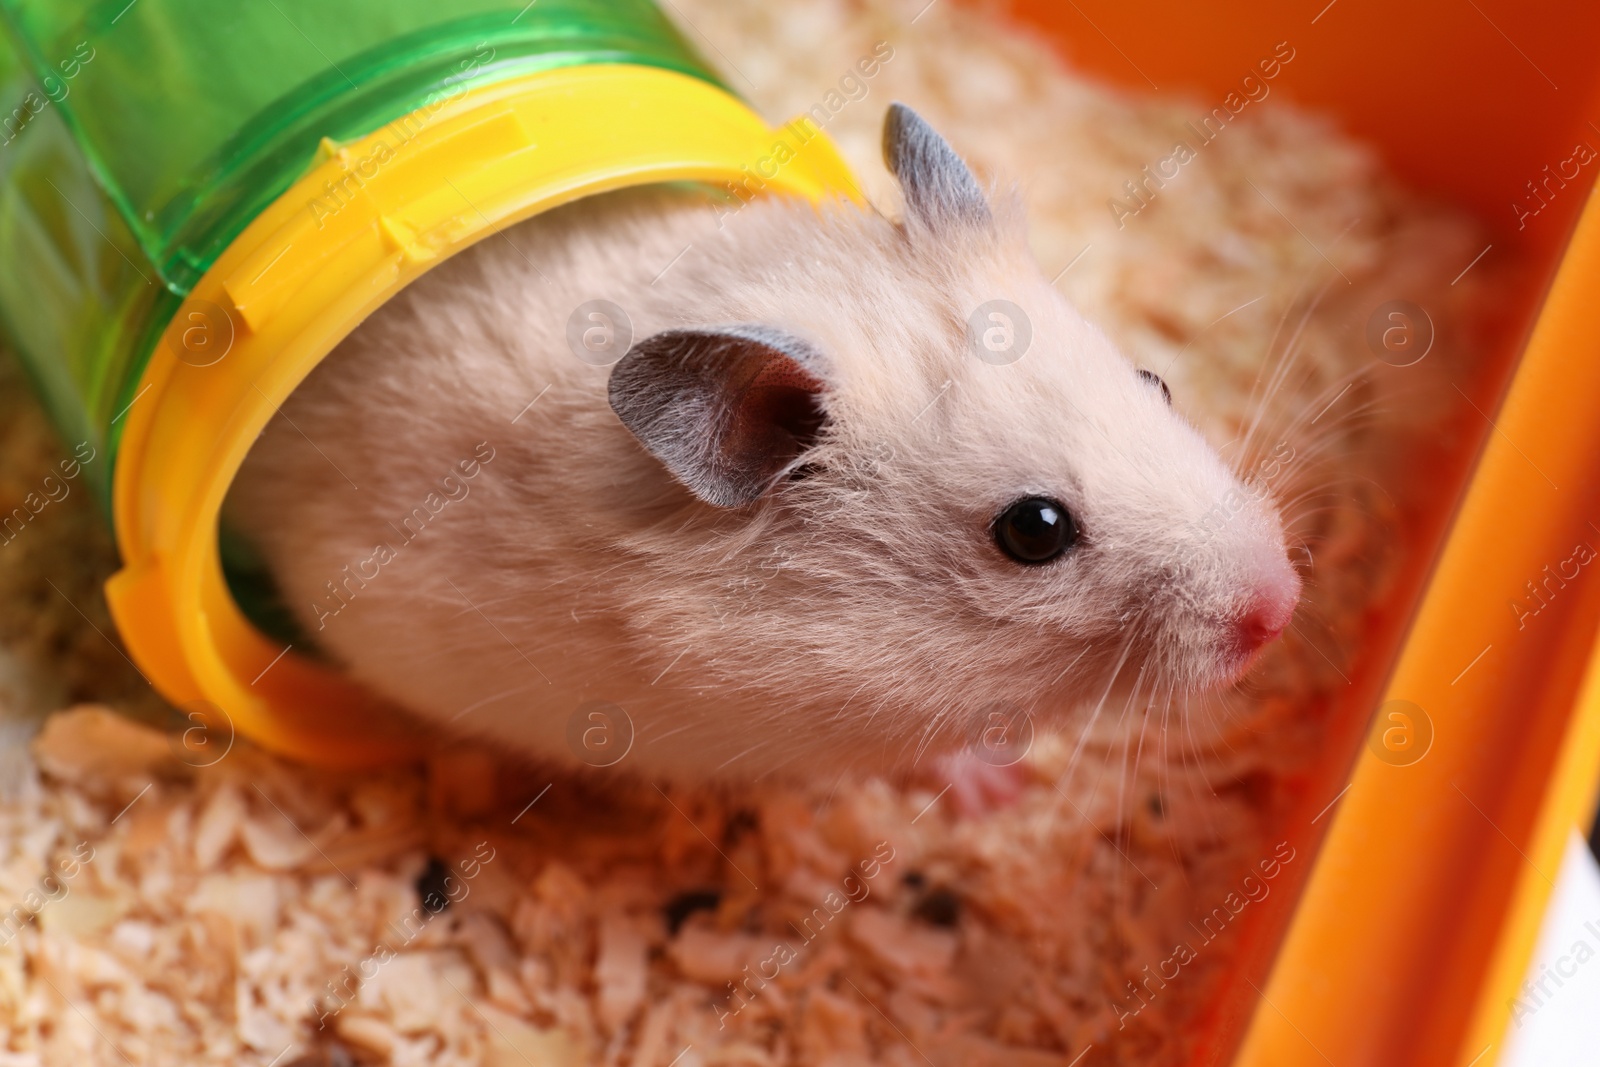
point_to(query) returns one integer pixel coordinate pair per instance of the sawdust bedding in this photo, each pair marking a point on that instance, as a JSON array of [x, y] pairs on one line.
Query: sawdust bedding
[[248, 911]]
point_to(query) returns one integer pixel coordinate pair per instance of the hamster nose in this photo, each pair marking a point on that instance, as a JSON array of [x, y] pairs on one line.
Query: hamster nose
[[1266, 615]]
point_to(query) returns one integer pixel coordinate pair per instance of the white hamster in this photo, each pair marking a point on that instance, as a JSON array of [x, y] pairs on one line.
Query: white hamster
[[831, 509]]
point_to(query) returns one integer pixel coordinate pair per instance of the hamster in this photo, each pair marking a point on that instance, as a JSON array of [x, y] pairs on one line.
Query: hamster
[[830, 508]]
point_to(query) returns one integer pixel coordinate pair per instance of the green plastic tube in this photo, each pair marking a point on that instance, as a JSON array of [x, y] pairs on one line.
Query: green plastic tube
[[137, 139]]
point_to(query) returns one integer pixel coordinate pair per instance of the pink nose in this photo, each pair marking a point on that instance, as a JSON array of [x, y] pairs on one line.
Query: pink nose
[[1265, 617]]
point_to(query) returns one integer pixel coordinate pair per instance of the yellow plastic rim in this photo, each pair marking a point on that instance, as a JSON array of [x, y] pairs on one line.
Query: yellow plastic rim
[[370, 217]]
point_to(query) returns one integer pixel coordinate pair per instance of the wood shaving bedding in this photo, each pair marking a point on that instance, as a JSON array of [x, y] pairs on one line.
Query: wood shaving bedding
[[255, 912], [246, 910]]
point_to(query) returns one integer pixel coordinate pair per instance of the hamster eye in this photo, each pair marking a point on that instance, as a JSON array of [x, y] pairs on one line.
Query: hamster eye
[[1035, 530], [1155, 379]]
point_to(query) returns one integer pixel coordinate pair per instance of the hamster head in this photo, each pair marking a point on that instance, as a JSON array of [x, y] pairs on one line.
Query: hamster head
[[935, 489]]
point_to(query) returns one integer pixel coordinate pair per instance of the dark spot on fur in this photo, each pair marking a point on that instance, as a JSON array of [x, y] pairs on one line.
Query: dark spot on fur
[[431, 887], [328, 1052], [677, 910], [741, 822], [1255, 789], [804, 471], [939, 906]]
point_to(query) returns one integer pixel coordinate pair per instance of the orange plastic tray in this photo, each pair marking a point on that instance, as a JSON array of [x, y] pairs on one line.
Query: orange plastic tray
[[1419, 913]]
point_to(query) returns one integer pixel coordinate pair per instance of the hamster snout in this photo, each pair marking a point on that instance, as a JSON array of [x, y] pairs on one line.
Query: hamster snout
[[1260, 586], [1268, 608]]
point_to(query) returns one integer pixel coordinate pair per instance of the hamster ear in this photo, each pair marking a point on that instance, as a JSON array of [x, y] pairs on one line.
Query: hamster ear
[[939, 188], [725, 409]]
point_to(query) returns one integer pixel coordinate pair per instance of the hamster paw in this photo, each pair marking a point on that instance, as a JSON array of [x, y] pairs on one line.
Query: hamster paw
[[975, 787]]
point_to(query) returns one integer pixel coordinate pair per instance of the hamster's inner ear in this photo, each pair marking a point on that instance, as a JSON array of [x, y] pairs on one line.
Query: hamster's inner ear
[[725, 409], [938, 186]]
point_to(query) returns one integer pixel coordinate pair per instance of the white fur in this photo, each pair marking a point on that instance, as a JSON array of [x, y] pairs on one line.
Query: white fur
[[845, 621]]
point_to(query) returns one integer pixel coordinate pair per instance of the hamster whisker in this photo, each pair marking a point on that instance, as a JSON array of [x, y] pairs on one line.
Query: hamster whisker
[[1203, 330], [1124, 808], [1290, 524], [1165, 790], [1318, 405], [1191, 752], [1309, 441], [1277, 331], [1286, 361], [1309, 432], [1330, 496], [1111, 681], [475, 705], [929, 733], [754, 746]]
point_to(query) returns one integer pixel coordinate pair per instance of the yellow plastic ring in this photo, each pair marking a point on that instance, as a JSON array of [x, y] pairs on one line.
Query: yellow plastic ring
[[370, 217]]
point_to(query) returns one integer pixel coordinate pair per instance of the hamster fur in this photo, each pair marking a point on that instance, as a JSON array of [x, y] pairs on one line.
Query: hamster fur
[[846, 606]]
